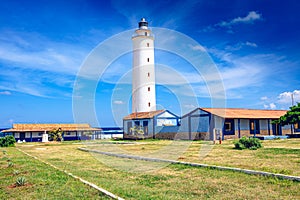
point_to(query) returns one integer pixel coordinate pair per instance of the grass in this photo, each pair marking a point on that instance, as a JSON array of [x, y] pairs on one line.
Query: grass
[[277, 156], [42, 181], [165, 181]]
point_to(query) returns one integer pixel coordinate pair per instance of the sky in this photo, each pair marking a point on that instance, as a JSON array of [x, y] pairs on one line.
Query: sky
[[251, 48]]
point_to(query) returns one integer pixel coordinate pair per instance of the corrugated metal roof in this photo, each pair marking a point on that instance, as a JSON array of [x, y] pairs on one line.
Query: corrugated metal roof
[[143, 115], [241, 113], [49, 127]]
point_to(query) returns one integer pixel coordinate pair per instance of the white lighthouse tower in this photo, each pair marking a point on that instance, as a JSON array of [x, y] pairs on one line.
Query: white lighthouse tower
[[143, 72]]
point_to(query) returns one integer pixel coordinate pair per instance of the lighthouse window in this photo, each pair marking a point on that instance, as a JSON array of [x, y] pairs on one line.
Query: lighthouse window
[[147, 44], [148, 59], [149, 104], [148, 74], [148, 89], [146, 33]]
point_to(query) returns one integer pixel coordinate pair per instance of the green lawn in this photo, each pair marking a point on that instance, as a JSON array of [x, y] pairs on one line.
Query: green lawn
[[125, 177], [42, 181]]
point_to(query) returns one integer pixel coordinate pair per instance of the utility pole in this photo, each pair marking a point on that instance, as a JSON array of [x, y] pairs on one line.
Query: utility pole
[[292, 105]]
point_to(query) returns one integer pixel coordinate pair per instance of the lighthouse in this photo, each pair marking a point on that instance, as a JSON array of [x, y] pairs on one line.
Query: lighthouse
[[143, 70]]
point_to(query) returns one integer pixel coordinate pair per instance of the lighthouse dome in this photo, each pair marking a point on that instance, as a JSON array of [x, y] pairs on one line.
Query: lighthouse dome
[[143, 24]]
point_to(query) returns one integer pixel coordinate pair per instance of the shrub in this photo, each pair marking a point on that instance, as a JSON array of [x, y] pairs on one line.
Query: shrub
[[248, 143], [16, 172], [239, 145], [56, 135], [7, 141], [10, 164], [20, 181]]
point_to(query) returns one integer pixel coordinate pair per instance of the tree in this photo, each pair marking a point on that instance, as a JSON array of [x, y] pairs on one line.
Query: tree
[[292, 116], [56, 134], [7, 141], [137, 131]]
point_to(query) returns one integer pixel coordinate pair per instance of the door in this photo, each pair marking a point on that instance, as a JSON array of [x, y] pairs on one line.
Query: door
[[22, 136], [254, 126], [129, 125], [145, 127], [276, 128]]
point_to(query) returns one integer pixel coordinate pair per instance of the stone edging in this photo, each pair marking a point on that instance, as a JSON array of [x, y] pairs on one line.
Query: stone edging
[[246, 171], [107, 193]]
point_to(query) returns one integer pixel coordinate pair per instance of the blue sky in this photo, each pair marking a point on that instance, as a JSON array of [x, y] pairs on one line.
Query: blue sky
[[44, 45]]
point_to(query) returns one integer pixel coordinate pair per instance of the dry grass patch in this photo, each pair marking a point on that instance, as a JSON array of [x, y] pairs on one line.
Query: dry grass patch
[[277, 156], [170, 182]]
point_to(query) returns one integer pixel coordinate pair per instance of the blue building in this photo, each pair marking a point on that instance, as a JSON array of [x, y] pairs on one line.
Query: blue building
[[153, 124], [34, 132], [231, 123]]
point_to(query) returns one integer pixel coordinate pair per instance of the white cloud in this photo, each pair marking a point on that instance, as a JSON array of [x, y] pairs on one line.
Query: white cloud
[[264, 98], [240, 45], [38, 66], [282, 101], [250, 18], [41, 54], [272, 106], [36, 83], [190, 106], [250, 44], [172, 16], [5, 93], [118, 102], [289, 97], [198, 48]]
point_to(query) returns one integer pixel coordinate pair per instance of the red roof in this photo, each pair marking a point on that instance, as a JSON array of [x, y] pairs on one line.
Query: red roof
[[143, 115], [241, 113], [49, 127]]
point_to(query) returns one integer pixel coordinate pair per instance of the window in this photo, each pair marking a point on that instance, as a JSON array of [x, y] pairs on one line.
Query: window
[[137, 123], [252, 126], [67, 133], [148, 59], [148, 89], [148, 74], [297, 127], [149, 104], [145, 123], [228, 128], [148, 44], [145, 33]]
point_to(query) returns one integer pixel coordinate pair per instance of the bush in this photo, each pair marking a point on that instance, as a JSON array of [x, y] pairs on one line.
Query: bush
[[56, 135], [16, 172], [10, 164], [248, 143], [7, 141], [20, 181]]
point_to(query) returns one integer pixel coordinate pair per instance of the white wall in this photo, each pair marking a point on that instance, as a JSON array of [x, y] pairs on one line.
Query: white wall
[[143, 72]]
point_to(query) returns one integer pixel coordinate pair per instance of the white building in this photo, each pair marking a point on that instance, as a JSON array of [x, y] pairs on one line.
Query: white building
[[143, 71]]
